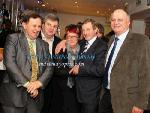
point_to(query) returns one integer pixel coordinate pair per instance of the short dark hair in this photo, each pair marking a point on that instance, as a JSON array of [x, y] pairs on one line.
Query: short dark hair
[[100, 28], [27, 14], [52, 17], [92, 21]]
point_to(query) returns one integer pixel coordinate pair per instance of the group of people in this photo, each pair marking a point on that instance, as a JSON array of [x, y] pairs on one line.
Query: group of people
[[46, 75]]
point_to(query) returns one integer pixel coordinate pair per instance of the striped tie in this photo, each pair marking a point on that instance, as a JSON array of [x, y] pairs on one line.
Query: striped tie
[[85, 47]]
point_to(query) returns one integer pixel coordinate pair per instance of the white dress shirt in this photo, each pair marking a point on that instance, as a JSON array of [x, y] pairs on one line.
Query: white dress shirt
[[50, 42], [2, 66], [121, 38]]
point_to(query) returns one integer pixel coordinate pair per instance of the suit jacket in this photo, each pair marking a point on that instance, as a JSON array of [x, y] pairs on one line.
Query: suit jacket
[[130, 75], [18, 65], [88, 81]]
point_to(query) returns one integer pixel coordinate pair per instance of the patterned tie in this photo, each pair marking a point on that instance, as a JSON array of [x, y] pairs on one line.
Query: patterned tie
[[105, 80], [85, 47], [34, 62]]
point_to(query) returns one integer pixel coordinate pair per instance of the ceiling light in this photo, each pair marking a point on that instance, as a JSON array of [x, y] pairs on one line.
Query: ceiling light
[[43, 5], [75, 2], [97, 12]]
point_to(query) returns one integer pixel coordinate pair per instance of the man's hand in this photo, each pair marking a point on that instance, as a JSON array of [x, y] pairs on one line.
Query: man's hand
[[60, 46], [32, 86], [137, 110], [34, 93], [74, 70]]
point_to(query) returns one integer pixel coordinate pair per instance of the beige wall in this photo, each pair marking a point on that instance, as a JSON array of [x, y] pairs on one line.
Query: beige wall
[[138, 26], [66, 19]]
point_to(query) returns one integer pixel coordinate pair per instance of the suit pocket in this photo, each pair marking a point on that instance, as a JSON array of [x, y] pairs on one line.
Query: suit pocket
[[132, 90]]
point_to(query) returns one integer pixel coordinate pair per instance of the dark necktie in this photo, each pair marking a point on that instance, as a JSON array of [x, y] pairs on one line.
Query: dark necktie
[[105, 80], [85, 47]]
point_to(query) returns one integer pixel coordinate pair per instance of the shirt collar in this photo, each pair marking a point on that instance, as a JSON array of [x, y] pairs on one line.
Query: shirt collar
[[92, 40], [44, 38], [29, 39], [123, 35]]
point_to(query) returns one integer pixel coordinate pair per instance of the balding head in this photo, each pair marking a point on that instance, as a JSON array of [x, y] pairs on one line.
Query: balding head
[[120, 21]]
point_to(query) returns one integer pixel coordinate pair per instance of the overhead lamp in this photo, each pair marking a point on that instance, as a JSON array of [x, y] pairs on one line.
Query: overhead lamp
[[43, 5]]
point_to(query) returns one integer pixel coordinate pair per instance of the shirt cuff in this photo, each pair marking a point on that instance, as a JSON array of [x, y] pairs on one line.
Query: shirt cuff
[[25, 85]]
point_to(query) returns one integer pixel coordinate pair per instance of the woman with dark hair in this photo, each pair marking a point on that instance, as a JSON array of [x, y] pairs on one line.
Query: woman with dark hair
[[64, 95]]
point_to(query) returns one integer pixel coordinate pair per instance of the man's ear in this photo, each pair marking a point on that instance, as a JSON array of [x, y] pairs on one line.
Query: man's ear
[[24, 25], [43, 25]]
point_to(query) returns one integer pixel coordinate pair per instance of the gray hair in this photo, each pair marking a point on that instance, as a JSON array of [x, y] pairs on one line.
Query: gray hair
[[125, 12], [51, 16]]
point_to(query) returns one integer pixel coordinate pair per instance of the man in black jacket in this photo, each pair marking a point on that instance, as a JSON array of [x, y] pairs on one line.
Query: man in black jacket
[[48, 34]]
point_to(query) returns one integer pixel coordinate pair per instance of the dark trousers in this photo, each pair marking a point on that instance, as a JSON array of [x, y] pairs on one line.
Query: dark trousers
[[47, 98], [89, 108], [105, 103], [63, 98], [31, 107], [146, 111]]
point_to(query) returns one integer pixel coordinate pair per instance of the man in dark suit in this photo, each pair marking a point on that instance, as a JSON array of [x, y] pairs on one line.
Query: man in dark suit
[[48, 34], [22, 86], [89, 76], [127, 70]]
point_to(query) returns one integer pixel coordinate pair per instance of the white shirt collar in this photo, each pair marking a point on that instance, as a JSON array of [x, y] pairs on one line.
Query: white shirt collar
[[29, 40], [92, 40], [123, 35], [44, 37]]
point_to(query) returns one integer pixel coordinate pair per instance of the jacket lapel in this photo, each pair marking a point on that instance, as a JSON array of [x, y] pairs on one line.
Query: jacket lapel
[[109, 44], [82, 45], [92, 46], [38, 49], [25, 47]]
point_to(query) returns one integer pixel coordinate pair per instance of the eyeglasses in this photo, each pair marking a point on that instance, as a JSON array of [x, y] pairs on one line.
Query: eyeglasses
[[71, 37]]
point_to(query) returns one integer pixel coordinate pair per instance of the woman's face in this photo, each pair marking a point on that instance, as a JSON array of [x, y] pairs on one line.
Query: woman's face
[[72, 39]]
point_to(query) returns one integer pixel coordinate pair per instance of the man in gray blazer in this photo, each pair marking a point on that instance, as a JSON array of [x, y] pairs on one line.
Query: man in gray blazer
[[127, 70], [21, 89]]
